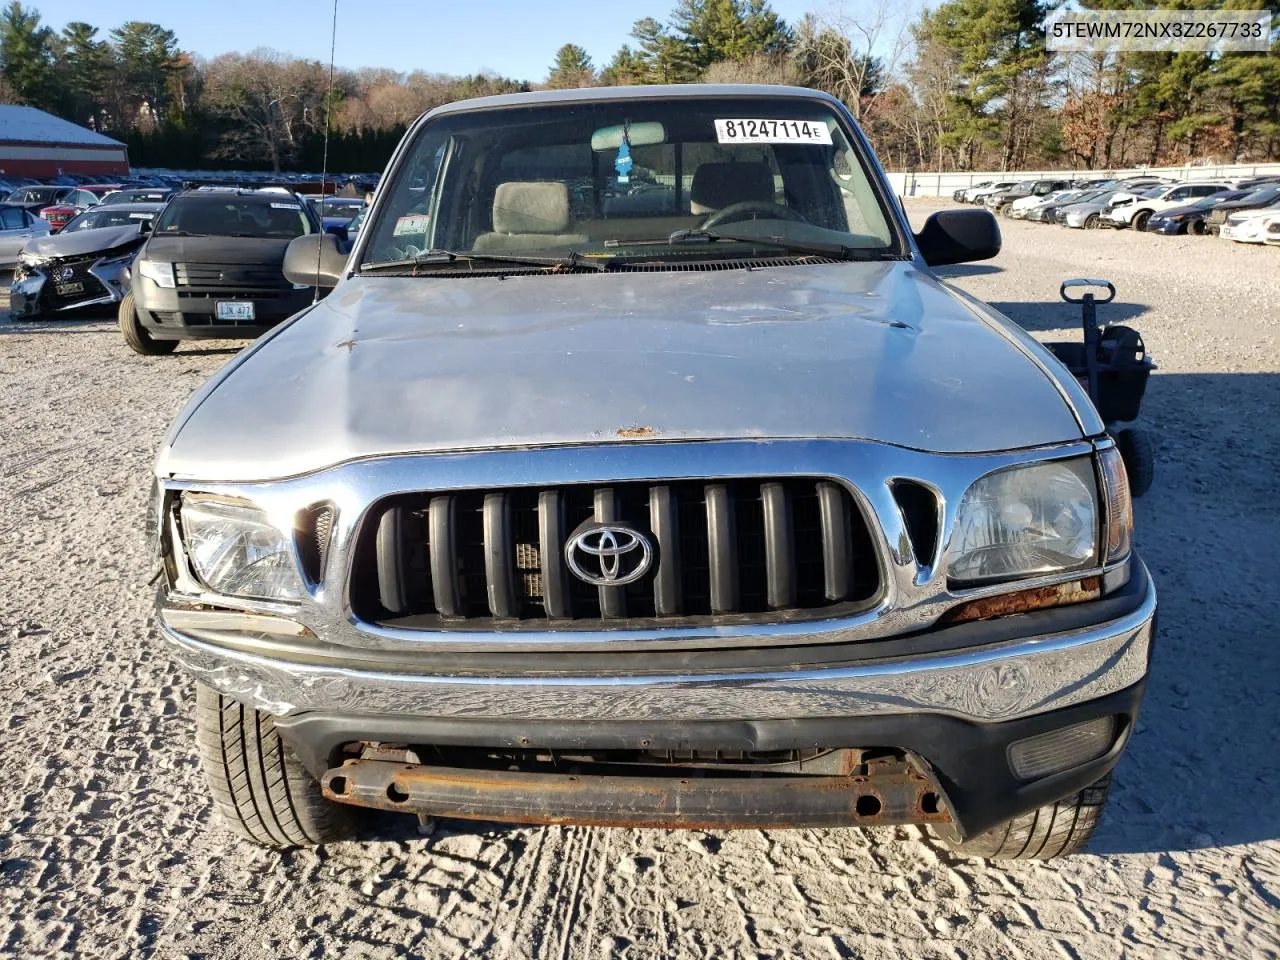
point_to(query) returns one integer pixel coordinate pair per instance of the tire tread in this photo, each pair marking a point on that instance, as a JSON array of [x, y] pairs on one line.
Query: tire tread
[[260, 788], [1054, 830]]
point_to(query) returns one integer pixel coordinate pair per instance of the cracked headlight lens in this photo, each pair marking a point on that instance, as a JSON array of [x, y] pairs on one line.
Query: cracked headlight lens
[[1026, 521], [235, 550]]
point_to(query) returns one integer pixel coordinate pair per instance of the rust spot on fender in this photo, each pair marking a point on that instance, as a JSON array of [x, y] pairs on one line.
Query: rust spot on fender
[[636, 433], [1058, 595]]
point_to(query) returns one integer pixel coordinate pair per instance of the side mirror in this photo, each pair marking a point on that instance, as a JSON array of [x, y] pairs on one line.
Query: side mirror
[[958, 236], [144, 226], [314, 260]]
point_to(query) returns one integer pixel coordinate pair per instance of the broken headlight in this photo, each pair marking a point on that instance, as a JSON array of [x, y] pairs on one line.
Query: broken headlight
[[1026, 521], [236, 550]]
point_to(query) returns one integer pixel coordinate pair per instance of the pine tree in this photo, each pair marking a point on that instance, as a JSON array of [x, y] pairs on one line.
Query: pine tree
[[573, 68], [85, 66], [719, 30], [27, 57]]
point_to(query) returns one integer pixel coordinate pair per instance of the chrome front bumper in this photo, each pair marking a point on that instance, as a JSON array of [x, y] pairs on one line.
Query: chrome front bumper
[[986, 683]]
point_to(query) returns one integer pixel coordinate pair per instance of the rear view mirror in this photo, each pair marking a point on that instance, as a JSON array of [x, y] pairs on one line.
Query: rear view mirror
[[638, 134], [958, 236], [314, 260]]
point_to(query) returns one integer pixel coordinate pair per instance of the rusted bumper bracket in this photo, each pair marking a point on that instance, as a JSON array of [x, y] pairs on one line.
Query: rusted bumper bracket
[[889, 794]]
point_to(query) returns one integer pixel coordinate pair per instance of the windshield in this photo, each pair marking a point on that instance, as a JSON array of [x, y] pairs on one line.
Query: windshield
[[39, 194], [135, 196], [620, 180], [107, 218], [232, 215], [337, 208], [1264, 195]]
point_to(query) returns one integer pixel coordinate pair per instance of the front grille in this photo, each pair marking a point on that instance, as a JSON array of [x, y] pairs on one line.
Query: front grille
[[726, 551], [227, 275], [75, 271]]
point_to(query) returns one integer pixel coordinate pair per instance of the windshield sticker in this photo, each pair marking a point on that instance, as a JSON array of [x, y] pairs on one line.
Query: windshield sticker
[[772, 131], [141, 216], [414, 223], [285, 206]]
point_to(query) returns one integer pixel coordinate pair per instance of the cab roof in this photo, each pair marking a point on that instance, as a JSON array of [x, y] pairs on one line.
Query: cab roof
[[689, 91]]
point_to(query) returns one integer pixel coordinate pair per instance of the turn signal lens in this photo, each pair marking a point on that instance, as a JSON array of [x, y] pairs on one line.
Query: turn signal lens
[[1115, 482], [1059, 750]]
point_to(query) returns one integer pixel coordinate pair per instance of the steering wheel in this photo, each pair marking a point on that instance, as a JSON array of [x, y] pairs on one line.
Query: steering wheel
[[763, 209]]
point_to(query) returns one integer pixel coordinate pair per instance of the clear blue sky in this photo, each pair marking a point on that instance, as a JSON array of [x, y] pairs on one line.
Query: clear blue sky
[[517, 38]]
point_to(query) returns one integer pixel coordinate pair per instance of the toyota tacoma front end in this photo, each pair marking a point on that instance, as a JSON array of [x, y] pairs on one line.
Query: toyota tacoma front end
[[639, 471]]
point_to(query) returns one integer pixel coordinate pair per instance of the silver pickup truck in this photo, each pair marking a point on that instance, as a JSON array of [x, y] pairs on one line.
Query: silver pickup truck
[[638, 470]]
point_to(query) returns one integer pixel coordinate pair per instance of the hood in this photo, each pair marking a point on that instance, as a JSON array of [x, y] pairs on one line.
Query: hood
[[256, 250], [388, 365], [80, 242]]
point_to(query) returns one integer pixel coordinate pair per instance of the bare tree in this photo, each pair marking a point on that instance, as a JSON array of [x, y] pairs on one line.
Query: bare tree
[[270, 100], [853, 48], [758, 68]]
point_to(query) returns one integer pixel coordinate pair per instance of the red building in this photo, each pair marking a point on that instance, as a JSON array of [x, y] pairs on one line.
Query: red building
[[38, 144]]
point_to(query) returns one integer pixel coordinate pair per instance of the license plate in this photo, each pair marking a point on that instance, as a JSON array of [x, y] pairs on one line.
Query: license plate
[[66, 289], [235, 311]]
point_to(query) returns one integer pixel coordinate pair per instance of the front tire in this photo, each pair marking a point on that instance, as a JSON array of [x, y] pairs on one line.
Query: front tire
[[136, 336], [1140, 220], [1054, 830], [1091, 222], [260, 788]]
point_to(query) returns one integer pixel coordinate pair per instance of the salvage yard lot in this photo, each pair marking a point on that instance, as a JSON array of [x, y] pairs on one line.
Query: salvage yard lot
[[108, 846]]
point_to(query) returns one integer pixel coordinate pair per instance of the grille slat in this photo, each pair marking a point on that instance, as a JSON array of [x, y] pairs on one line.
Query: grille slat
[[837, 541], [780, 559], [725, 551], [666, 582], [551, 537], [722, 544], [499, 554], [444, 567], [390, 547]]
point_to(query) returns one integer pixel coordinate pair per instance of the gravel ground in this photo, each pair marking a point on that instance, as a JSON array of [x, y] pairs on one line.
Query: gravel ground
[[108, 845]]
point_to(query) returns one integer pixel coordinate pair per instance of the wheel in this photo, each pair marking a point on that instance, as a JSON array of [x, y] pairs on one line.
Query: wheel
[[136, 336], [1139, 456], [1091, 222], [1140, 220], [1197, 227], [1054, 830], [261, 789]]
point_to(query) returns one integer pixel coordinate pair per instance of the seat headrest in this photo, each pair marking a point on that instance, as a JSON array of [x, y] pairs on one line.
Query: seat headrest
[[527, 206], [717, 185]]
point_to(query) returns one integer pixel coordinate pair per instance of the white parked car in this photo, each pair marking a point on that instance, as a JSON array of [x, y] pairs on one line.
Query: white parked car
[[1135, 209], [1249, 226], [1271, 232], [1019, 209], [980, 193]]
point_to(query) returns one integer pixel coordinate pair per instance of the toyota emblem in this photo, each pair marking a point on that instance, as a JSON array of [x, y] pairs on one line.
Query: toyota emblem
[[608, 554]]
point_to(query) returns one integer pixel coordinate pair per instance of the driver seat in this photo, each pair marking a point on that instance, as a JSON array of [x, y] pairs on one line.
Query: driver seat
[[718, 185]]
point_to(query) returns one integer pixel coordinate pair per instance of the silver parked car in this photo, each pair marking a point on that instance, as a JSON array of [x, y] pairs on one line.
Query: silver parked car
[[639, 470]]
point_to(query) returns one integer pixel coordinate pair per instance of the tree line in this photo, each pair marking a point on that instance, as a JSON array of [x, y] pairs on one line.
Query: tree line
[[967, 84]]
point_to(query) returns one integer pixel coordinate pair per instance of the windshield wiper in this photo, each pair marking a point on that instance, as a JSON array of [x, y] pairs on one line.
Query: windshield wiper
[[433, 257], [838, 250]]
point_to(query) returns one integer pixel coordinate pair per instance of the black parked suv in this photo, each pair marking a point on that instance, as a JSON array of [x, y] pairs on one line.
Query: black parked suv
[[212, 269]]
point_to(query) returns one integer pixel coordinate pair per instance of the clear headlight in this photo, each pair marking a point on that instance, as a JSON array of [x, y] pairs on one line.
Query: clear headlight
[[158, 271], [1026, 521], [236, 550]]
